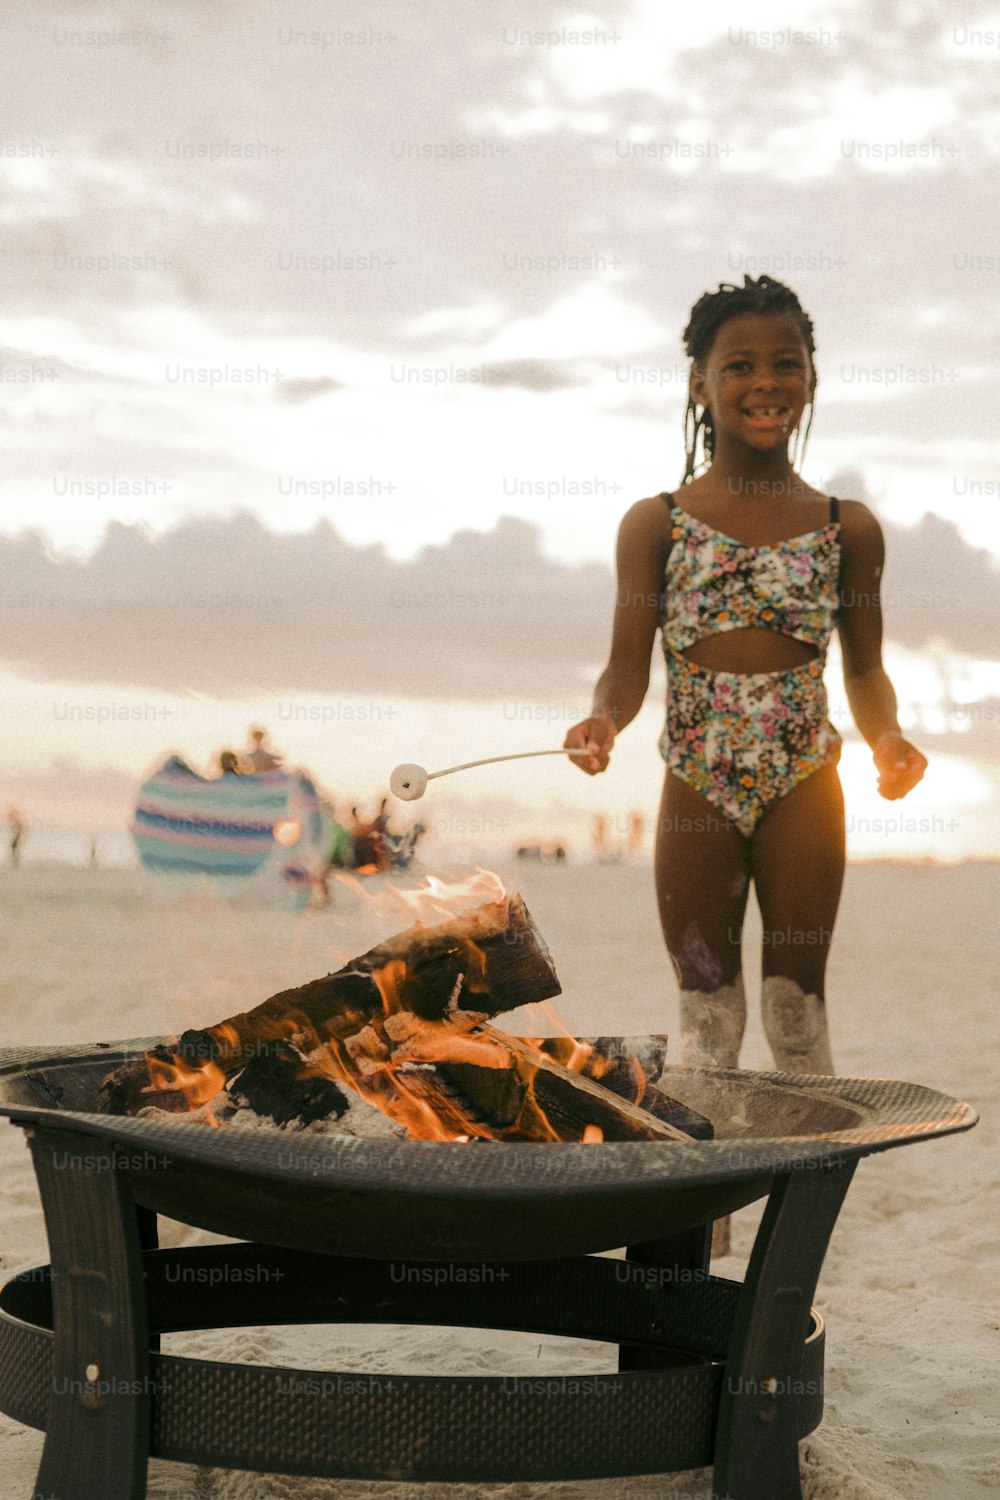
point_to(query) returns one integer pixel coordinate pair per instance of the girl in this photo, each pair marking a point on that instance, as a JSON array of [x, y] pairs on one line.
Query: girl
[[747, 572]]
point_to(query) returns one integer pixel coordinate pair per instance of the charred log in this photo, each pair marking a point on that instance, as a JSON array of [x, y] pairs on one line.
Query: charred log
[[632, 1074], [510, 1081], [490, 960], [278, 1082]]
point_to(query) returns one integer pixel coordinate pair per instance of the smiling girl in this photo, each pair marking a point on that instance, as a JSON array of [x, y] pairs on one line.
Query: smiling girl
[[747, 572]]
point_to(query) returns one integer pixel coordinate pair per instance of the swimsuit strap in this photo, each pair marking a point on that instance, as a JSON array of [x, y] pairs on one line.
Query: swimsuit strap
[[666, 496], [668, 500]]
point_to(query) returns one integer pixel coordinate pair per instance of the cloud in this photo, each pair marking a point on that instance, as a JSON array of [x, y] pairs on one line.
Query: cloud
[[533, 374], [938, 588], [307, 390], [484, 253], [223, 607], [226, 606]]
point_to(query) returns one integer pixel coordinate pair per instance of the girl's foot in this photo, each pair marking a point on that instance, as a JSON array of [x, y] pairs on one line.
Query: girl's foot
[[712, 1026], [795, 1026]]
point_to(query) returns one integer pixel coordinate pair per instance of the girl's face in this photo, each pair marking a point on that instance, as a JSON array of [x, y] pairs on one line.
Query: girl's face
[[756, 380]]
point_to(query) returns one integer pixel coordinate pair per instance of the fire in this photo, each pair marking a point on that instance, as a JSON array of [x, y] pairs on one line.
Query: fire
[[639, 1079], [574, 1054], [456, 1077], [197, 1084], [287, 832], [391, 1064], [388, 982], [435, 901], [404, 1092], [427, 1120], [225, 1032]]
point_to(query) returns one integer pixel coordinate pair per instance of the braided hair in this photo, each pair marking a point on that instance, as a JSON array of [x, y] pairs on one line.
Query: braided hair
[[763, 295]]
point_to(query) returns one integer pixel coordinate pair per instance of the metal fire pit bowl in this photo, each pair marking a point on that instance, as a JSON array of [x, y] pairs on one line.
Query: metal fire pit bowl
[[487, 1235]]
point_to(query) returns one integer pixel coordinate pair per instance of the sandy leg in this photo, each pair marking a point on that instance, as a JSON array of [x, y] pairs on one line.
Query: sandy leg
[[712, 1026], [795, 1026]]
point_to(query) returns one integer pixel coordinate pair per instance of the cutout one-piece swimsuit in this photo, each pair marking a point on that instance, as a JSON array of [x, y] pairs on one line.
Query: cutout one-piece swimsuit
[[744, 739]]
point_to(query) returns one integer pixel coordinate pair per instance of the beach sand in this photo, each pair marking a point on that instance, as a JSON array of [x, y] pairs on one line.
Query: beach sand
[[910, 1288]]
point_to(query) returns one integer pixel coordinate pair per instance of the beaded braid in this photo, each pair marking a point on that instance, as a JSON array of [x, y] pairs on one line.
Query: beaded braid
[[763, 295]]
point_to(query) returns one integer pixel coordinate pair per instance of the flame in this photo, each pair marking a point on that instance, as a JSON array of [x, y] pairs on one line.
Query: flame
[[227, 1033], [398, 1062], [578, 1053], [440, 1120], [639, 1078], [533, 1123], [388, 981], [197, 1084], [434, 901], [287, 832], [404, 1093]]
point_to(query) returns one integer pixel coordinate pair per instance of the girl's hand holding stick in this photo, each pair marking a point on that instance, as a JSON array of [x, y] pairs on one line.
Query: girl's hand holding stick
[[596, 734]]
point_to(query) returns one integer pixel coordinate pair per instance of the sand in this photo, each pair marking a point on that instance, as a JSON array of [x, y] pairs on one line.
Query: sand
[[910, 1285]]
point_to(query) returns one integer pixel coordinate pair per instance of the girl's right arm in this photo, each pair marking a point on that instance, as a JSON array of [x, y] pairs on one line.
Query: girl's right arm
[[643, 547]]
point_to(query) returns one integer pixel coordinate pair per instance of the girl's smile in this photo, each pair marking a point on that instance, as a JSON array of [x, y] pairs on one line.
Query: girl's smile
[[768, 418]]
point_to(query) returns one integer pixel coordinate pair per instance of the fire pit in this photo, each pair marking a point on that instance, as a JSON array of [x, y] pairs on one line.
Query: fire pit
[[711, 1371]]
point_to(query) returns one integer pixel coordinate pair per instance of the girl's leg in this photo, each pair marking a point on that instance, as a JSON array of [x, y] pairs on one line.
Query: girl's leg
[[702, 881], [797, 861]]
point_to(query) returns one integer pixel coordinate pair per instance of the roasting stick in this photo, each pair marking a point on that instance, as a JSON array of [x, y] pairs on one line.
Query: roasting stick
[[408, 782]]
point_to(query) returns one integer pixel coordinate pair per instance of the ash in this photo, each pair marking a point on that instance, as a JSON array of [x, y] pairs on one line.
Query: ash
[[359, 1119]]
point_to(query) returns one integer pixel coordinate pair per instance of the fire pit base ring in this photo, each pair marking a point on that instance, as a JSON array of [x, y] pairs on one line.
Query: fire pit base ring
[[438, 1428]]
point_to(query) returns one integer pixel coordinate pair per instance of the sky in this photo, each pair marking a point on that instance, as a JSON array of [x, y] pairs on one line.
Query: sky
[[334, 346]]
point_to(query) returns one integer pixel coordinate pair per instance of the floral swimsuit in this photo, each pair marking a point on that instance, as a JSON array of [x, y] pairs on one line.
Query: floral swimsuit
[[743, 739]]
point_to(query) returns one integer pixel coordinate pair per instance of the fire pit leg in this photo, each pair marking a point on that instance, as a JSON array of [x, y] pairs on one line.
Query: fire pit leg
[[97, 1437], [686, 1253], [149, 1239], [756, 1445]]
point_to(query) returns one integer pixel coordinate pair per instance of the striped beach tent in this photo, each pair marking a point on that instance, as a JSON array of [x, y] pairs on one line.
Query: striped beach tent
[[232, 826]]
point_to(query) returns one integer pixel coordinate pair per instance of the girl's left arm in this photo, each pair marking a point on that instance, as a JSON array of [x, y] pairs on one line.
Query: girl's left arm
[[869, 692]]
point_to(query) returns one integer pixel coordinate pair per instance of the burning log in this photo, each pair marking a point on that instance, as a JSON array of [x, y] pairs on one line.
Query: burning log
[[415, 1094], [632, 1075], [280, 1083], [515, 1084], [489, 960], [407, 1027]]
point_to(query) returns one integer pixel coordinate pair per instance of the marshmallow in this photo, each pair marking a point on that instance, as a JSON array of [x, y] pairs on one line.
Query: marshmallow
[[408, 782]]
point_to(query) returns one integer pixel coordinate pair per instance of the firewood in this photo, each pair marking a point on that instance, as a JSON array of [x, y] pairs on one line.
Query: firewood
[[489, 960], [516, 1085], [631, 1072], [570, 1100], [408, 1025], [280, 1083], [367, 1043], [409, 1088]]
